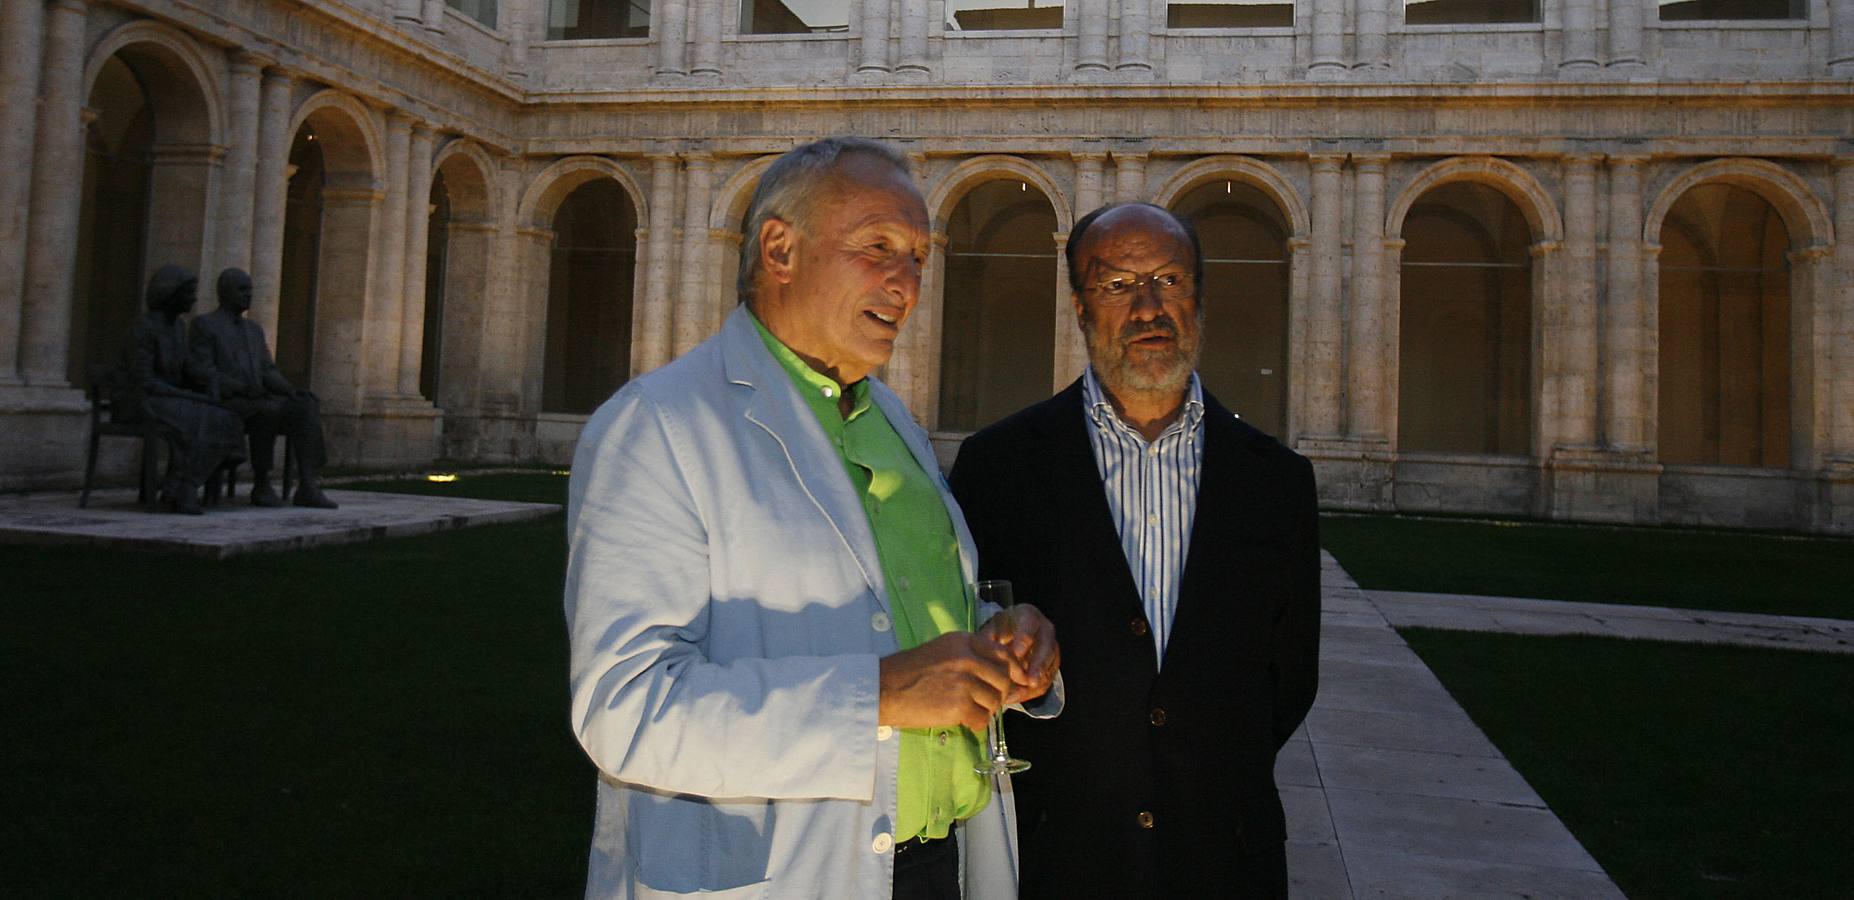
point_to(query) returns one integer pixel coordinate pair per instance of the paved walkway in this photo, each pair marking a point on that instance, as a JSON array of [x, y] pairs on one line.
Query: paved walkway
[[114, 521], [1391, 790]]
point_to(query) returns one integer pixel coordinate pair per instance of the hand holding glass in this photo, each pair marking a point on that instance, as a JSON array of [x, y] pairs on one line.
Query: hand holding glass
[[998, 761]]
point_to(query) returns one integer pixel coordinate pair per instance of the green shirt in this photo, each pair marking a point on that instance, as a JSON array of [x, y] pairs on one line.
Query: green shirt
[[919, 555]]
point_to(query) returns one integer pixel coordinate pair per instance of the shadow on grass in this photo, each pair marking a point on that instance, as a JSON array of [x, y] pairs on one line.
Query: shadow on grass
[[384, 719], [1715, 570], [1686, 770]]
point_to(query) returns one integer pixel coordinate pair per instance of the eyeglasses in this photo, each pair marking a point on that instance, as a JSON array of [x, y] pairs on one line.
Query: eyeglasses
[[1121, 289]]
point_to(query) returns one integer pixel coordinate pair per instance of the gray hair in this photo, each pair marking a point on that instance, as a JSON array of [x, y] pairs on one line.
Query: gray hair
[[793, 185]]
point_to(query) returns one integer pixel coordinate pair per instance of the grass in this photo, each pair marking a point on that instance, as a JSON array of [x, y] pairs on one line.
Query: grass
[[382, 719], [1714, 570], [1686, 770]]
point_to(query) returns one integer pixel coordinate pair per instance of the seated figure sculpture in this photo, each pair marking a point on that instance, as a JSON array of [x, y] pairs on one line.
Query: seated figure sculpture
[[155, 382], [231, 348]]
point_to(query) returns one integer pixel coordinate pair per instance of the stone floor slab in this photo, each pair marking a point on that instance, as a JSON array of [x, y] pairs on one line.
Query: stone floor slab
[[1317, 871], [1425, 773], [1409, 876], [1454, 828], [114, 521]]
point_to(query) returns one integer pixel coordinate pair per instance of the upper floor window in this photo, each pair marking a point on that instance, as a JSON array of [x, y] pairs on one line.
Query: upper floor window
[[1000, 15], [1469, 12], [794, 16], [583, 20], [1698, 10], [1230, 14], [484, 11]]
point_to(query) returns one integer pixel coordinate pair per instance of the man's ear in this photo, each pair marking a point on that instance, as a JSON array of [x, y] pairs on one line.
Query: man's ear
[[1080, 311], [778, 249]]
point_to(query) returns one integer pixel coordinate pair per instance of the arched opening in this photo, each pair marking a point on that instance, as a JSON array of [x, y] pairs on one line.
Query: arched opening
[[998, 316], [591, 264], [437, 245], [148, 168], [1465, 332], [302, 236], [113, 219], [328, 241], [1246, 282], [1724, 373]]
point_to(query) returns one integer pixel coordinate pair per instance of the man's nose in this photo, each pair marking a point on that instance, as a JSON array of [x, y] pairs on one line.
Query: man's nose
[[904, 279], [1146, 303]]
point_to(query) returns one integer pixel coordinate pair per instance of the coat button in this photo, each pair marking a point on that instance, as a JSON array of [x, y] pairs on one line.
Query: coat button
[[1145, 819], [883, 732], [879, 621], [1137, 626], [1158, 715], [884, 842]]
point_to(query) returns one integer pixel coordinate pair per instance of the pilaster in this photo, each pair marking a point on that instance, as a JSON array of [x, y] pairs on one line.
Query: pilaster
[[1840, 298], [653, 339], [1371, 41], [1625, 34], [270, 192], [22, 24], [1627, 359], [1091, 37], [670, 29], [1135, 37], [706, 62], [692, 316], [57, 189], [1129, 177], [872, 46], [1090, 169], [237, 199], [1578, 46], [913, 65], [1570, 334], [1364, 345], [384, 314], [1841, 38], [418, 237], [1327, 59], [1324, 360], [433, 16]]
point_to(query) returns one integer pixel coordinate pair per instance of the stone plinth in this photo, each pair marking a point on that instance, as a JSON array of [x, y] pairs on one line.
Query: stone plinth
[[42, 442], [1352, 474], [1595, 485]]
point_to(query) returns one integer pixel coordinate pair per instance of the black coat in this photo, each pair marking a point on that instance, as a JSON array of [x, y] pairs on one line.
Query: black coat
[[1193, 743]]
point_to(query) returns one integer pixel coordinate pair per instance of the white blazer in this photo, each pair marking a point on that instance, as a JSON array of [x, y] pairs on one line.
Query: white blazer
[[726, 611]]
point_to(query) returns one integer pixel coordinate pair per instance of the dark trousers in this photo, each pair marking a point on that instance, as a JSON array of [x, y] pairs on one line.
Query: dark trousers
[[927, 871], [297, 417]]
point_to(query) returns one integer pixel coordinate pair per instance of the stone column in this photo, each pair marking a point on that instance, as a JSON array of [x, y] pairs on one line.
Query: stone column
[[1578, 45], [1625, 33], [1841, 41], [384, 315], [706, 61], [434, 16], [1129, 177], [1570, 321], [1364, 357], [914, 28], [670, 32], [1371, 41], [20, 47], [652, 338], [1091, 30], [1328, 36], [418, 237], [691, 313], [238, 194], [520, 21], [270, 194], [57, 192], [1626, 356], [872, 49], [1089, 169], [1840, 299], [1135, 37], [1324, 338], [409, 11]]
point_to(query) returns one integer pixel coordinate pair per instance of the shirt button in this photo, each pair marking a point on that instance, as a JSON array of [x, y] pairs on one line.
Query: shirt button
[[1137, 626], [1152, 519], [883, 732], [904, 584], [1144, 817], [879, 621], [1158, 715], [1152, 450], [884, 842], [942, 738], [830, 392]]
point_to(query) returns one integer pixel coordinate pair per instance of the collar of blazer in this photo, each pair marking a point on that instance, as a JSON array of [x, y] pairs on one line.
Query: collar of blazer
[[776, 407]]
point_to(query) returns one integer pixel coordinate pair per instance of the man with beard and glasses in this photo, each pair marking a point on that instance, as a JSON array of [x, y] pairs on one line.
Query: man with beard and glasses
[[1176, 550]]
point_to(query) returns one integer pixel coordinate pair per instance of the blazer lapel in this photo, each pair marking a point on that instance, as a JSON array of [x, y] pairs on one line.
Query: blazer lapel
[[776, 407], [1226, 488], [1099, 562]]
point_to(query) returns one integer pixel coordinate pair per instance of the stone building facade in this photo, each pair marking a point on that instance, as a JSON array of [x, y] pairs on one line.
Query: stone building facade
[[1580, 259]]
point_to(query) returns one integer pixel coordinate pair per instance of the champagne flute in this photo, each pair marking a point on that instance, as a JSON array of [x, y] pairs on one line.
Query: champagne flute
[[998, 754]]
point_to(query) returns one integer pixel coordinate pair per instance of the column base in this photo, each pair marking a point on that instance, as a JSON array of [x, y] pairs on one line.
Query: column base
[[390, 433], [1327, 70], [1353, 473], [1834, 512], [1594, 484], [42, 440]]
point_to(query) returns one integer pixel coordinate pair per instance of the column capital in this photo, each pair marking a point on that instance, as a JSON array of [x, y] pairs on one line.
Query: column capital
[[1627, 160], [1376, 161], [1326, 162], [1545, 248], [1097, 157], [242, 59], [1811, 253], [695, 158], [73, 6], [399, 120], [1843, 163], [1582, 158], [1137, 157]]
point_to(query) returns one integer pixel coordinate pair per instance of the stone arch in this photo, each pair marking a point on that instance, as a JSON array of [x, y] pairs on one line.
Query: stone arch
[[474, 195], [194, 117], [354, 150], [1517, 184], [555, 182], [1803, 212], [462, 240], [953, 186], [732, 197], [1248, 170]]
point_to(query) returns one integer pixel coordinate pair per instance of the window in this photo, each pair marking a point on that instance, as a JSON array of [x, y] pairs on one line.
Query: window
[[1469, 12], [1700, 10], [483, 11], [794, 16], [1229, 14], [1000, 15], [585, 20]]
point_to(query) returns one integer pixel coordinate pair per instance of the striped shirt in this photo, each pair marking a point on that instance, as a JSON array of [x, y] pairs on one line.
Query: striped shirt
[[1152, 494]]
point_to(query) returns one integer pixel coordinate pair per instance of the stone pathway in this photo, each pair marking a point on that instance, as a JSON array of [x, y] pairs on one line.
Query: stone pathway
[[1392, 791], [114, 521]]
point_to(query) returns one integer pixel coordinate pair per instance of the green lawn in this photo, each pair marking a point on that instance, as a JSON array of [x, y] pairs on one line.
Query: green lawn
[[385, 719], [1686, 770], [1717, 570]]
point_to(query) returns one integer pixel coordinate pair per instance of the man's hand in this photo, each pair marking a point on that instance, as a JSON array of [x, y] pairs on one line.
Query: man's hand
[[959, 678], [1031, 639]]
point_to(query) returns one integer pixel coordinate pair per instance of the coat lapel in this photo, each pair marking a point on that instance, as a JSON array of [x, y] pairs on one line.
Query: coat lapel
[[1098, 561], [776, 407], [1226, 492]]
